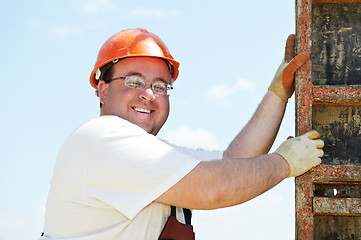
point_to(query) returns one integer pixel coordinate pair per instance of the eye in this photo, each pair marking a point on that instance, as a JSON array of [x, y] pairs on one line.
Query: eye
[[134, 82], [160, 88]]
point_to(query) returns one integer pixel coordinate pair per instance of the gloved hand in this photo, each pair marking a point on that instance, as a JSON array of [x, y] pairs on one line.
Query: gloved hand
[[302, 153], [282, 83]]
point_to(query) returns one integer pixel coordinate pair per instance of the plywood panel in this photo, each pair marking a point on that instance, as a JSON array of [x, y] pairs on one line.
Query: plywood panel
[[337, 227], [336, 44], [340, 128]]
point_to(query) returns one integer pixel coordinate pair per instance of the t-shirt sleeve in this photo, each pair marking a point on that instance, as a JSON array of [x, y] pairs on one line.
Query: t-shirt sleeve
[[131, 168]]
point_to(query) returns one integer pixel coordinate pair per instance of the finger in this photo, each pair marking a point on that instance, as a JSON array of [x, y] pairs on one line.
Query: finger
[[312, 135], [290, 44], [320, 153], [320, 144], [289, 137]]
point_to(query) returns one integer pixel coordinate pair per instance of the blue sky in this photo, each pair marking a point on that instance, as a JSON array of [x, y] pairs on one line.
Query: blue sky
[[228, 50]]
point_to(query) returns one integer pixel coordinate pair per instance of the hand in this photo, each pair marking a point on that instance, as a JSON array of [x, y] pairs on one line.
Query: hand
[[283, 81], [302, 153]]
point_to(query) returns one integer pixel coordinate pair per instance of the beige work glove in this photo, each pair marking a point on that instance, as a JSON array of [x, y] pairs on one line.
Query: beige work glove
[[302, 153], [283, 81]]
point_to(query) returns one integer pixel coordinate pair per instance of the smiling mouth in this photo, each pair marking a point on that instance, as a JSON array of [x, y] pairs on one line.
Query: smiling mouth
[[142, 110]]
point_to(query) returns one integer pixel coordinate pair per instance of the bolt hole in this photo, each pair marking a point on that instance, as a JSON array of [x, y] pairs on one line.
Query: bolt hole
[[334, 191]]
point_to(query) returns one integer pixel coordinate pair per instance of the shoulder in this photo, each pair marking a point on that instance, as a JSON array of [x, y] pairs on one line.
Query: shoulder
[[96, 130], [109, 124]]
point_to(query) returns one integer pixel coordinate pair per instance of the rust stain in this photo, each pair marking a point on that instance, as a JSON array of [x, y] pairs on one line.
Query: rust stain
[[351, 93], [303, 101], [337, 206], [333, 173], [335, 1]]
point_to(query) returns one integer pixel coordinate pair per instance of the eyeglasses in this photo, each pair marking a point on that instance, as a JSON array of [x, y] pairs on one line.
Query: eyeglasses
[[136, 82]]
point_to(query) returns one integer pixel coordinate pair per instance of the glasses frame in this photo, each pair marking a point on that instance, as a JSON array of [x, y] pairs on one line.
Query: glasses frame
[[168, 87]]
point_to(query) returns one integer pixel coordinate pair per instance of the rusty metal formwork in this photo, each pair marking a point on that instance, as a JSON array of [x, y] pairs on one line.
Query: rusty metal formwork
[[328, 99]]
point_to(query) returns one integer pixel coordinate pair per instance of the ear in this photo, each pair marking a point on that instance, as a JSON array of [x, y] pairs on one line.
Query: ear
[[102, 91]]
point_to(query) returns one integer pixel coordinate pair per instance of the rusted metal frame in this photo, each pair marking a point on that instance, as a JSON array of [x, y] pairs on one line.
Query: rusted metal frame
[[337, 206], [304, 212], [337, 175], [348, 94], [335, 1], [307, 95], [303, 102], [310, 205], [335, 172], [303, 85]]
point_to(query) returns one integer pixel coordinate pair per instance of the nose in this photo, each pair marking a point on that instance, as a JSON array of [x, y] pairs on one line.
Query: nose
[[147, 94]]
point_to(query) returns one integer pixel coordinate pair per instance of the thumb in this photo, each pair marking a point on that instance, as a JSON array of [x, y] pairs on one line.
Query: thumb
[[312, 135]]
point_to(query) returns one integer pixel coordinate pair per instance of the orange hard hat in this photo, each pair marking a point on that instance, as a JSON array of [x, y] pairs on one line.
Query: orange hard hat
[[132, 43]]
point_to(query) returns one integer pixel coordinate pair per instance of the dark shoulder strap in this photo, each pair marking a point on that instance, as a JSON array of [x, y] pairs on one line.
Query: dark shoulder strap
[[187, 216], [173, 211]]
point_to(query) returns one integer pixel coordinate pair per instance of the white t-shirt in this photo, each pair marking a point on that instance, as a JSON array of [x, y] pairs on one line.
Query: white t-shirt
[[107, 175]]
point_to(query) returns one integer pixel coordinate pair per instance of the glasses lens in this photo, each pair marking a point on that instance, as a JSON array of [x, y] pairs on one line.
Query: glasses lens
[[160, 88], [134, 82], [138, 83]]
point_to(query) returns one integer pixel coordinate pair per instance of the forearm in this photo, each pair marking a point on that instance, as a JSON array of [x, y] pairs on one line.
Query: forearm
[[227, 182], [258, 135]]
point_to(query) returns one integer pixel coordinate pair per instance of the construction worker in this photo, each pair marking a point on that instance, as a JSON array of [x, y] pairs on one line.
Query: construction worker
[[113, 179]]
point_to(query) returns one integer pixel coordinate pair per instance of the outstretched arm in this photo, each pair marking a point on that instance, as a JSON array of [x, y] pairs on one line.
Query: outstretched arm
[[245, 171], [228, 182]]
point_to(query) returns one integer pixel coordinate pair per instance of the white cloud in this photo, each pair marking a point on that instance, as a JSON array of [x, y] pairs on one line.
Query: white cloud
[[154, 13], [220, 93], [194, 138]]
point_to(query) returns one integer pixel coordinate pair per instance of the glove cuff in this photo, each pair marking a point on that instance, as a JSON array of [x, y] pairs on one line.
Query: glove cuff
[[290, 171], [283, 96]]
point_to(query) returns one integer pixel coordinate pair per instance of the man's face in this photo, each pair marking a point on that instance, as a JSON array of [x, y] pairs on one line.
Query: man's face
[[139, 106]]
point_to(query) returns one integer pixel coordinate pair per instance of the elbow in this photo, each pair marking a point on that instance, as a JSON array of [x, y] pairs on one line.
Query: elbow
[[217, 197]]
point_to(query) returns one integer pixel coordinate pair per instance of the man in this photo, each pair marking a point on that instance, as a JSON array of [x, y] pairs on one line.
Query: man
[[114, 179]]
